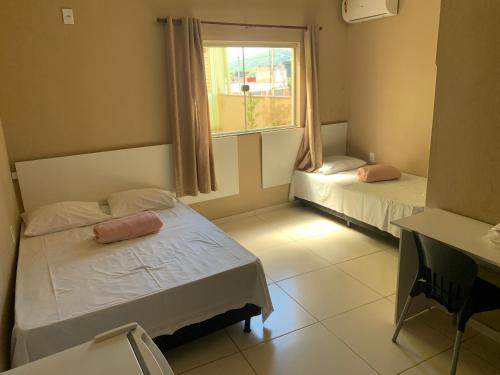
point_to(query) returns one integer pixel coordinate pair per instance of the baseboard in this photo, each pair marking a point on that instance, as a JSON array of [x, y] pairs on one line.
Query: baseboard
[[226, 219], [254, 212], [275, 207]]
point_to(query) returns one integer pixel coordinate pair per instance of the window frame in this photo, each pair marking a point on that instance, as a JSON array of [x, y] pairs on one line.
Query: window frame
[[296, 89]]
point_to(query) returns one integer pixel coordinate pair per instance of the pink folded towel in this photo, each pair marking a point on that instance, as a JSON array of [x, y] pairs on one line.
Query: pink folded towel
[[128, 227], [379, 172]]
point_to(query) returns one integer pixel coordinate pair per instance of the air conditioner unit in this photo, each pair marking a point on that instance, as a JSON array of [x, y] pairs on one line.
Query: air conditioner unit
[[365, 10]]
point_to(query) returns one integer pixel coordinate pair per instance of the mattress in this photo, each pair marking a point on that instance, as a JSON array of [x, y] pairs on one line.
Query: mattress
[[376, 203], [70, 288]]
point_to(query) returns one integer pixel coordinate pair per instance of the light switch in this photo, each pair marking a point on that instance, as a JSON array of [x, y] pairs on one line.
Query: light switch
[[68, 17]]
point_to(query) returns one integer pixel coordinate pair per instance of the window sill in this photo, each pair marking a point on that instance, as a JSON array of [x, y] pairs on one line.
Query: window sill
[[253, 131]]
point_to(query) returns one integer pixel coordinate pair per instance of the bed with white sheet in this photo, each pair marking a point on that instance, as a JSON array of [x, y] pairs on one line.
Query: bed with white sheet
[[70, 288], [376, 204]]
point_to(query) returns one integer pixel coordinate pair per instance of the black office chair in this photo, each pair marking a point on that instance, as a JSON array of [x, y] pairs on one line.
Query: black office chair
[[449, 277]]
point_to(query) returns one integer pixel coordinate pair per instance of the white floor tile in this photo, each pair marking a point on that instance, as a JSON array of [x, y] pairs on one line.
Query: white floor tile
[[368, 331], [288, 316], [355, 299], [378, 270], [235, 364], [485, 348], [301, 223], [240, 225], [289, 214], [228, 219], [275, 207], [269, 280], [328, 292], [255, 234], [443, 322], [289, 260], [468, 364], [342, 245], [311, 350], [200, 351]]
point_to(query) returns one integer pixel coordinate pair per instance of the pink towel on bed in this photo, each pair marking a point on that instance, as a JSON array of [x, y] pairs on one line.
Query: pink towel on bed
[[379, 172], [128, 227]]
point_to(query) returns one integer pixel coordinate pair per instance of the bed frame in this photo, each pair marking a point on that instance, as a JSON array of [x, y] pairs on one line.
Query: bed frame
[[209, 326], [349, 220]]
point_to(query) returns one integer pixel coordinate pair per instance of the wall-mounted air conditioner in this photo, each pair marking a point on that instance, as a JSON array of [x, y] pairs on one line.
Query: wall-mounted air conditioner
[[365, 10]]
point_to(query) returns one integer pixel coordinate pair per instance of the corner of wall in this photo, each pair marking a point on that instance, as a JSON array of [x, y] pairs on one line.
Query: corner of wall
[[9, 228], [391, 77]]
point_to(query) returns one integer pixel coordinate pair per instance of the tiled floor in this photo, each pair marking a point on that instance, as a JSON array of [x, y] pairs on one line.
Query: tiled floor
[[333, 293]]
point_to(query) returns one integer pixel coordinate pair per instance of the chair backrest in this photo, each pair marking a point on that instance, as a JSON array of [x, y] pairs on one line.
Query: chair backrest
[[448, 274]]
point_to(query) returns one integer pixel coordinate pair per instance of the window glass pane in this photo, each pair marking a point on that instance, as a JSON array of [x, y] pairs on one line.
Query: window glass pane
[[250, 87], [269, 76], [225, 75]]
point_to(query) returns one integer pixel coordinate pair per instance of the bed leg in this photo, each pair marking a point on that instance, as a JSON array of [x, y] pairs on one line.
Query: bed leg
[[247, 328], [349, 224]]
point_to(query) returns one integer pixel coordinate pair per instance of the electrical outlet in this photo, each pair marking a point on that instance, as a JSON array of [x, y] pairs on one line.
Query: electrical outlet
[[13, 234], [372, 157]]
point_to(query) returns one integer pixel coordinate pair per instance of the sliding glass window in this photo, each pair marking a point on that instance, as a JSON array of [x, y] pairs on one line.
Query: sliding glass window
[[251, 87]]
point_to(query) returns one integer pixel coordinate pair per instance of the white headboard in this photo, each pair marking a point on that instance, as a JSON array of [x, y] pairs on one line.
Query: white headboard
[[279, 151], [92, 177]]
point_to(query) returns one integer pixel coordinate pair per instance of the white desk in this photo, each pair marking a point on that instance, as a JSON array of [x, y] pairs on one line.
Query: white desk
[[463, 233]]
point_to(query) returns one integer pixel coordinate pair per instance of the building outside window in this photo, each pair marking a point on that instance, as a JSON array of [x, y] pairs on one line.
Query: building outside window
[[250, 87]]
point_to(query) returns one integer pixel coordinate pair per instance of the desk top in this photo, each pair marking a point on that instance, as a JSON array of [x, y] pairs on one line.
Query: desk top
[[463, 233]]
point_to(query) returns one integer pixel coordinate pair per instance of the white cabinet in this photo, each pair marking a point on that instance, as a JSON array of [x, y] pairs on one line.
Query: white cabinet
[[126, 350]]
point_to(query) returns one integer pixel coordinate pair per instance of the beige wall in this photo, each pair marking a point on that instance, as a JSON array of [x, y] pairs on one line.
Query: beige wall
[[391, 82], [100, 84], [464, 169], [251, 196], [8, 218], [464, 172]]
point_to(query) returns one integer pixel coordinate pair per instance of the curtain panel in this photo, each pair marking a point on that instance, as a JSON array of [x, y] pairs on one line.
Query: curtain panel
[[310, 155], [188, 108]]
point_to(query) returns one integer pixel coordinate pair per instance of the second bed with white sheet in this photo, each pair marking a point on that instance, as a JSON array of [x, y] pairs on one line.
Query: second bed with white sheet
[[70, 288], [376, 204]]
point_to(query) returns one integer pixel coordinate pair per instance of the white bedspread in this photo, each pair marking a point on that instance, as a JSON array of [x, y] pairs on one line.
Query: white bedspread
[[376, 204], [70, 288]]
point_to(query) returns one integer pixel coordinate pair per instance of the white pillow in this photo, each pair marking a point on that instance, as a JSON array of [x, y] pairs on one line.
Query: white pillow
[[61, 216], [340, 163], [129, 202]]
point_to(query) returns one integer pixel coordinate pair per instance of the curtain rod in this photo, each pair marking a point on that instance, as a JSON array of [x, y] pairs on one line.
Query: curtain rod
[[164, 20]]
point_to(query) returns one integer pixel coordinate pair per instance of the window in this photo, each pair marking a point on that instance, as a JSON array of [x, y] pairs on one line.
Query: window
[[250, 87]]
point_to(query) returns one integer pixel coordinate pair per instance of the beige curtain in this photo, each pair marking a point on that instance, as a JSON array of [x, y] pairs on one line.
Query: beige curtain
[[187, 89], [310, 156]]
